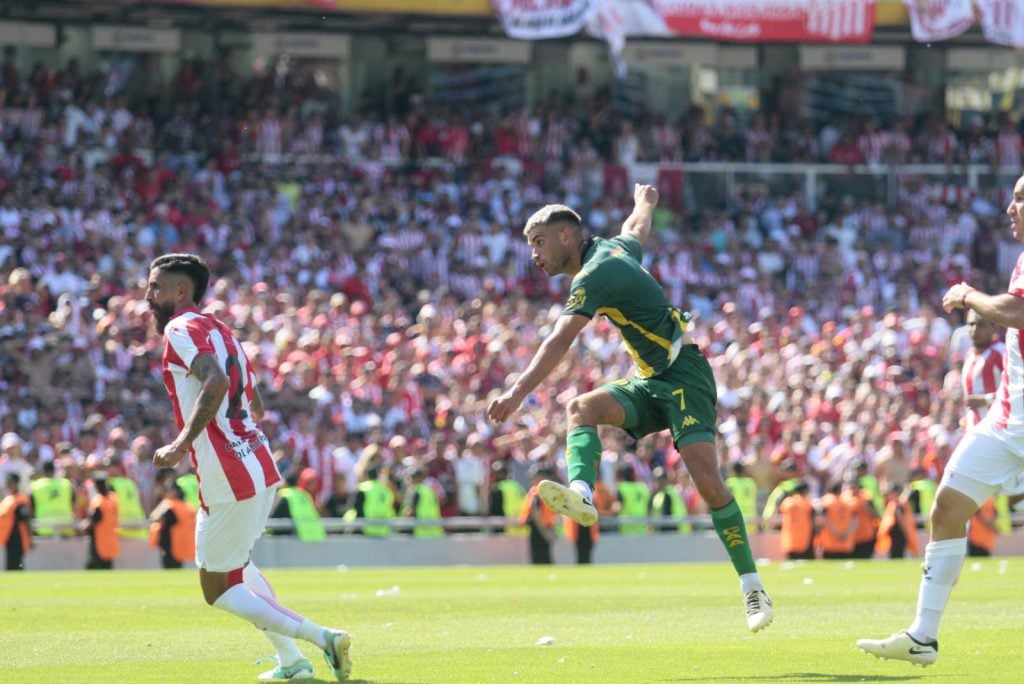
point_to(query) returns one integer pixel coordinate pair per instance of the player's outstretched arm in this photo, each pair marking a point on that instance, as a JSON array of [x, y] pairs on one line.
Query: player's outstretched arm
[[1003, 309], [214, 388], [551, 351], [638, 223]]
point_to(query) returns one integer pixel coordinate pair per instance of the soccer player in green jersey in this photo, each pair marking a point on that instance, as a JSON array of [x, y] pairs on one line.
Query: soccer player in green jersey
[[673, 388]]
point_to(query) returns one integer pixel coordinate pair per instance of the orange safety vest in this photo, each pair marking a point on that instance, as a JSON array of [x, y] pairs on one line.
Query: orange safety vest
[[897, 513], [8, 506], [839, 515], [104, 533], [983, 535], [865, 521], [572, 530], [547, 516], [183, 533], [797, 523]]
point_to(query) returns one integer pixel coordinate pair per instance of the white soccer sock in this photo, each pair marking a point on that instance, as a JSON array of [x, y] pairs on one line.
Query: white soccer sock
[[942, 563], [583, 488], [241, 601], [751, 581], [287, 651]]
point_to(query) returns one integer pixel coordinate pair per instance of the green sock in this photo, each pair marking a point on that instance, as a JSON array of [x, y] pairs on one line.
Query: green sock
[[583, 453], [730, 528]]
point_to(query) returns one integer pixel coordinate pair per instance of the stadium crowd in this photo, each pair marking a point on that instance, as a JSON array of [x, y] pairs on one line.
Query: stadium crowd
[[374, 269]]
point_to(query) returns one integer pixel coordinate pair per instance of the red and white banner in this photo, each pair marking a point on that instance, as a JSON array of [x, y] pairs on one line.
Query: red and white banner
[[1002, 21], [932, 20], [539, 19], [833, 21]]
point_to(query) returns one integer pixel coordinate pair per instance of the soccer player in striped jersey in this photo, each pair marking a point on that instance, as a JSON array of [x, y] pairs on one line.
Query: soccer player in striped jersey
[[216, 405], [989, 460], [983, 367]]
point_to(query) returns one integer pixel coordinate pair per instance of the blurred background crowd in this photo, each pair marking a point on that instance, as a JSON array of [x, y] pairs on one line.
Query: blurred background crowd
[[374, 269]]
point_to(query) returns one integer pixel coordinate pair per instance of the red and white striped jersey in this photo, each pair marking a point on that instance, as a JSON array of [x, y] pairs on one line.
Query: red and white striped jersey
[[232, 455], [1008, 409], [980, 375]]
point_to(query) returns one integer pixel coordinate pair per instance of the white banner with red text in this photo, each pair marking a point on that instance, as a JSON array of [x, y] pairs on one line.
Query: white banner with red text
[[932, 20], [1002, 21]]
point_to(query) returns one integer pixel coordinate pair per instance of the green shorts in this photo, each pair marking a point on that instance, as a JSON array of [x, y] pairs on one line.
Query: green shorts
[[682, 399]]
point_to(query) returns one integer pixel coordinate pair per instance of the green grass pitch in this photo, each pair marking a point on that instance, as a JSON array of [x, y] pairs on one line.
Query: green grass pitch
[[623, 623]]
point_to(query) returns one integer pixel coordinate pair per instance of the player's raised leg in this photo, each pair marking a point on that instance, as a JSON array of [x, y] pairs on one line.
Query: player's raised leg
[[702, 462], [583, 453], [290, 662]]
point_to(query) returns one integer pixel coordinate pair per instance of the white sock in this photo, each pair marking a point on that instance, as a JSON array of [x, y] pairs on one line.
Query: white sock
[[942, 563], [583, 488], [287, 651], [270, 615], [749, 582], [239, 600]]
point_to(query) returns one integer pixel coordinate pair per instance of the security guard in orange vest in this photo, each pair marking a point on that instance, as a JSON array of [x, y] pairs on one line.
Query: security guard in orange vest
[[101, 525], [15, 514], [897, 531], [173, 529]]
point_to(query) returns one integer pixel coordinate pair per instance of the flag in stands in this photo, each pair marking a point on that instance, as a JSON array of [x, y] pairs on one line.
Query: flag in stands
[[1002, 21], [939, 19]]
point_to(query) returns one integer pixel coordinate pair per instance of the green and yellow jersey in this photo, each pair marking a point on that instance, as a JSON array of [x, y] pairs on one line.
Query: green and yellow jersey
[[613, 283]]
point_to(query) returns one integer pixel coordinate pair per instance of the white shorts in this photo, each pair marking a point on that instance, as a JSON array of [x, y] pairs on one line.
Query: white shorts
[[989, 460], [226, 534]]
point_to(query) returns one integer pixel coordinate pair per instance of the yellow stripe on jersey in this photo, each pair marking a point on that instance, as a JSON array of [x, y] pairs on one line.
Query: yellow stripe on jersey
[[616, 316]]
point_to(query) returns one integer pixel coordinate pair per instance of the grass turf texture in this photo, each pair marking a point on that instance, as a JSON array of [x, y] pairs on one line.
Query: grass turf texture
[[626, 623]]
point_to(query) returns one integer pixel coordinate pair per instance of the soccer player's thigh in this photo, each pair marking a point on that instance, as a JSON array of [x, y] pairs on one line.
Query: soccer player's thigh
[[983, 462], [226, 533], [644, 412]]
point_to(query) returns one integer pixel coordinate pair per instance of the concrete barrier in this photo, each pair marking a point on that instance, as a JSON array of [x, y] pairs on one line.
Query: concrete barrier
[[456, 549]]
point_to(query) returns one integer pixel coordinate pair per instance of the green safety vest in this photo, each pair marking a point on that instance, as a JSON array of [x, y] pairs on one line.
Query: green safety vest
[[129, 508], [189, 484], [925, 489], [52, 498], [781, 491], [378, 504], [304, 515], [427, 508], [870, 483], [678, 510], [512, 497], [744, 490], [1004, 519], [636, 502]]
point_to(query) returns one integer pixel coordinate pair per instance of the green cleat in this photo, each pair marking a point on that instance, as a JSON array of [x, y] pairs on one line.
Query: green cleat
[[336, 653]]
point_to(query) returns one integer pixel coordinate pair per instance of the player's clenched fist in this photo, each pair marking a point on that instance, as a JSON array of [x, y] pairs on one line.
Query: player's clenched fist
[[502, 407], [645, 193]]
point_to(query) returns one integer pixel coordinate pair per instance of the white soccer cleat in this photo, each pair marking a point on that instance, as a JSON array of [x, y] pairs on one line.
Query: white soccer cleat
[[759, 610], [902, 646], [302, 669], [567, 502]]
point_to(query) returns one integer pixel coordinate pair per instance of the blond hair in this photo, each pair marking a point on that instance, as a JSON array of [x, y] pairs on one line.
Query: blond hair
[[553, 213]]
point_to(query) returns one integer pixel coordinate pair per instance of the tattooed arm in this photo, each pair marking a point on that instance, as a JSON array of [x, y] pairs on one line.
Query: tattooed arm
[[214, 389]]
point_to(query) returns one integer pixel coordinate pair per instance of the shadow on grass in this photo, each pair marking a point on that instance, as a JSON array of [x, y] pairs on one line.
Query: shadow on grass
[[811, 677]]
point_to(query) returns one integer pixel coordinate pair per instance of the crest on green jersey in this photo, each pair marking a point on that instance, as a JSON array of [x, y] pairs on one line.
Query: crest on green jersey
[[576, 298]]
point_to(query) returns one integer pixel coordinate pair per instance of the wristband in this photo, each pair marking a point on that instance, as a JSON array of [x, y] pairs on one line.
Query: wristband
[[963, 300]]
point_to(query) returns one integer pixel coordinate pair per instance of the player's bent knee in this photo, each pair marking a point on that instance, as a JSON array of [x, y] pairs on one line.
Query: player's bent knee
[[594, 408]]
